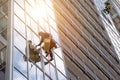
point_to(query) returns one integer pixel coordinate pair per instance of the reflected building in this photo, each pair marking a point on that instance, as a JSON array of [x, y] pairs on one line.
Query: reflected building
[[3, 36], [85, 48]]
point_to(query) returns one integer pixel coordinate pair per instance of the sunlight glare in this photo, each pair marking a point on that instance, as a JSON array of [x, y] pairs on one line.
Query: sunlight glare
[[39, 10]]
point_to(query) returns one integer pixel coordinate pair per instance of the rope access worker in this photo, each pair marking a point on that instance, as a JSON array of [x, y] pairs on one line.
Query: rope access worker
[[33, 53], [49, 44], [107, 8]]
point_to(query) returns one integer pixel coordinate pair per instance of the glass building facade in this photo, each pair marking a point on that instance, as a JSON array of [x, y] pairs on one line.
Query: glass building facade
[[84, 49], [27, 18]]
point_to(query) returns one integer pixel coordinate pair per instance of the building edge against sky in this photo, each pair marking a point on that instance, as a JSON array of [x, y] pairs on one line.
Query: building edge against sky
[[88, 53]]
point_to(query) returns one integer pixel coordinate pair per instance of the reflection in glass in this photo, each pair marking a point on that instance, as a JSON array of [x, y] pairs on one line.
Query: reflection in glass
[[19, 11], [28, 20], [31, 36], [55, 35], [20, 2], [17, 75], [45, 17], [35, 73], [32, 72], [28, 8], [39, 75], [33, 26], [46, 78], [19, 42], [19, 62], [60, 76], [58, 51], [39, 64], [60, 64], [19, 26], [50, 70]]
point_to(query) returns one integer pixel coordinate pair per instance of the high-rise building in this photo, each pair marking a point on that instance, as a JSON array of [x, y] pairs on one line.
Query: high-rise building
[[88, 49], [87, 39]]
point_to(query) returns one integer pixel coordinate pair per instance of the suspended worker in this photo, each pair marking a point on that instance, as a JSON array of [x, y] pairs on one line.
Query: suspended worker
[[108, 6], [33, 52], [49, 44]]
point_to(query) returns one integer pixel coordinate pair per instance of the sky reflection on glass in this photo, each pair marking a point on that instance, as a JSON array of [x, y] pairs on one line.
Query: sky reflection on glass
[[46, 18]]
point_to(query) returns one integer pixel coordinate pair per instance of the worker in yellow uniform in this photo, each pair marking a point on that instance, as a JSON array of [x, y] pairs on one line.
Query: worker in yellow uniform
[[49, 44]]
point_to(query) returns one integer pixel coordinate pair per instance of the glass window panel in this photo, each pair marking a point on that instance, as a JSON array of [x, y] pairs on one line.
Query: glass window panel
[[32, 10], [28, 8], [50, 70], [42, 23], [58, 51], [60, 64], [19, 12], [32, 36], [39, 75], [60, 76], [47, 78], [19, 62], [35, 73], [39, 64], [34, 26], [19, 26], [28, 20], [55, 35], [20, 2], [53, 62], [31, 1], [51, 19], [46, 27], [17, 75], [53, 24], [19, 42], [32, 72]]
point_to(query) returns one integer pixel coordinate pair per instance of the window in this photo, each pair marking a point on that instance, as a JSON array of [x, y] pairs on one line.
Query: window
[[19, 42], [20, 2], [60, 76], [17, 75], [39, 75], [50, 70], [19, 12], [19, 62], [60, 64], [19, 25], [32, 36], [32, 72]]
